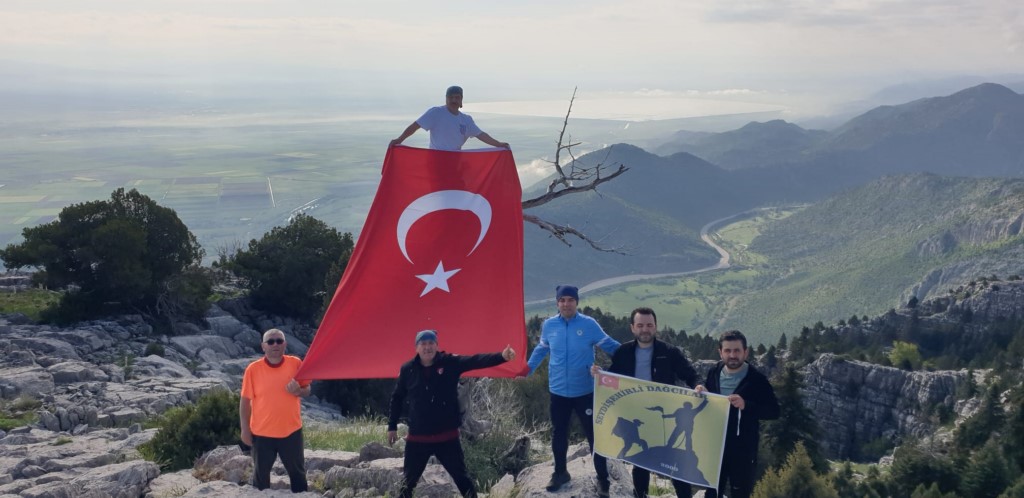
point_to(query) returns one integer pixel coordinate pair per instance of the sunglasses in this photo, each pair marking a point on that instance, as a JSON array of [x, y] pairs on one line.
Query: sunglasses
[[275, 341]]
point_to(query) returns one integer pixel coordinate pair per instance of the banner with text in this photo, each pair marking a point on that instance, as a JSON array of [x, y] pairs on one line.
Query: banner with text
[[666, 429]]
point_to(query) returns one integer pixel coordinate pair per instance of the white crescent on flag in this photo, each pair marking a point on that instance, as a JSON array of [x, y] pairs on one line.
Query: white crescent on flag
[[441, 200]]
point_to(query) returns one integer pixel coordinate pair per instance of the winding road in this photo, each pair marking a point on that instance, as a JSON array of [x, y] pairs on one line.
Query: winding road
[[723, 260]]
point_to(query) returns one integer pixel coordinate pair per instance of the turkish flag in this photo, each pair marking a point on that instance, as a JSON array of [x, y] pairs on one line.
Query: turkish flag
[[442, 249]]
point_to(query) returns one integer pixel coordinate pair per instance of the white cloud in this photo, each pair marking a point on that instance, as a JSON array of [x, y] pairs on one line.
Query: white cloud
[[534, 171]]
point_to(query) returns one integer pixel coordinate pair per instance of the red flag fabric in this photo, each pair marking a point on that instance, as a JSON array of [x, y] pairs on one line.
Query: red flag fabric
[[442, 249]]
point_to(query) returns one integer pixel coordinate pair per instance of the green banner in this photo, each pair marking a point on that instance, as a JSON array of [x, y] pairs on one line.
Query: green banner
[[666, 429]]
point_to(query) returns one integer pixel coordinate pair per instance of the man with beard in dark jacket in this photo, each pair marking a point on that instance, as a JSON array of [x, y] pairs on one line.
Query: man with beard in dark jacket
[[430, 382], [647, 358], [753, 399]]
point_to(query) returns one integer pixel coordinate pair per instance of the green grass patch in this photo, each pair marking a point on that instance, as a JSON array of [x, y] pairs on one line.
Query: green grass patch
[[351, 435], [18, 412], [30, 302], [8, 423]]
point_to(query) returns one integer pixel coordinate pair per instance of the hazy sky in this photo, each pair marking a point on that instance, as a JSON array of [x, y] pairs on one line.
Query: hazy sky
[[757, 51]]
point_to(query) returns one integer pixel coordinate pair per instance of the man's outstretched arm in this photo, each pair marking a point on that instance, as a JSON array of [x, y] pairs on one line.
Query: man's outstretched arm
[[409, 130], [489, 140]]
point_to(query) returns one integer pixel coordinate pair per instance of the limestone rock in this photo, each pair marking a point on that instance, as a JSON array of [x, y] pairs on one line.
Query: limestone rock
[[120, 480], [858, 401], [206, 348], [532, 481], [76, 371], [222, 489], [31, 380], [376, 451], [156, 366], [172, 485]]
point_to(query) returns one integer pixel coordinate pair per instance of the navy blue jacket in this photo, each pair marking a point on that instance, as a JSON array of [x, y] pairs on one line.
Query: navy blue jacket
[[759, 403]]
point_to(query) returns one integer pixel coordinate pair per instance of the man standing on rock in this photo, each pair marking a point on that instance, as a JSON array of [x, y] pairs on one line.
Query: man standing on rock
[[569, 337], [270, 413], [430, 382], [752, 399], [649, 359]]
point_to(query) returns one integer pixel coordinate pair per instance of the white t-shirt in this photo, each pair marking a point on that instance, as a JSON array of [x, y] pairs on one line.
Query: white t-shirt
[[447, 131]]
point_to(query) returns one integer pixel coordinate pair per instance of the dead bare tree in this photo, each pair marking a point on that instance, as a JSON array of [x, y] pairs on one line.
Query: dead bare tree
[[572, 178]]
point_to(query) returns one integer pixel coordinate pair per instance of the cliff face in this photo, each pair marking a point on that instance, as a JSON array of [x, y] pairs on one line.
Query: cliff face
[[857, 402]]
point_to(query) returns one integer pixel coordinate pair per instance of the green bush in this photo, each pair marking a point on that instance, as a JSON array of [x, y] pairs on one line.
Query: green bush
[[187, 432], [497, 401], [285, 270], [115, 254], [154, 348], [795, 478]]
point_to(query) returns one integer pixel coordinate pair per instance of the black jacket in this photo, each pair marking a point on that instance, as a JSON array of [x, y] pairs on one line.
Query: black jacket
[[667, 364], [759, 404], [433, 392]]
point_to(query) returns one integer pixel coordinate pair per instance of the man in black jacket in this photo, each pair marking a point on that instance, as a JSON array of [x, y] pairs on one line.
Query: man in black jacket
[[430, 382], [647, 358], [752, 399]]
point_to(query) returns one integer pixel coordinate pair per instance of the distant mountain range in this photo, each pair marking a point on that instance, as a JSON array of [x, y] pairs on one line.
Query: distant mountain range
[[655, 210]]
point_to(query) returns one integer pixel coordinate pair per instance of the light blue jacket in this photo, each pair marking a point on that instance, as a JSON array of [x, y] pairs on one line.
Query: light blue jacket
[[571, 346]]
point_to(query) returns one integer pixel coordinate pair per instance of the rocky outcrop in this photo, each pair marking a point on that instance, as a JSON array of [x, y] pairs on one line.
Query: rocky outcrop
[[959, 274], [95, 382], [856, 402], [43, 463]]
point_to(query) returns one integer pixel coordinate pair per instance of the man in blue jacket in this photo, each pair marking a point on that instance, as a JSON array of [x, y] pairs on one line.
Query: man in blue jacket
[[430, 382], [569, 337]]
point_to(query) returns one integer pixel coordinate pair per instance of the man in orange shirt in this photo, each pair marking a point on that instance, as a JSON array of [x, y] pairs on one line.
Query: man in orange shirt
[[270, 413]]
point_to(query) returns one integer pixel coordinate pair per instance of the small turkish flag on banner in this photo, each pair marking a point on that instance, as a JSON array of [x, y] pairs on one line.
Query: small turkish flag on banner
[[442, 249]]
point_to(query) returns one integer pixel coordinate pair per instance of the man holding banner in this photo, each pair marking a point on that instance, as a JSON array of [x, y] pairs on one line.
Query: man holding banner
[[752, 399], [647, 358]]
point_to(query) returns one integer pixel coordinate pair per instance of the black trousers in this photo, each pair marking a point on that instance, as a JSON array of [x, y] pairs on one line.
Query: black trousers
[[562, 409], [266, 449], [737, 477], [449, 453], [642, 481]]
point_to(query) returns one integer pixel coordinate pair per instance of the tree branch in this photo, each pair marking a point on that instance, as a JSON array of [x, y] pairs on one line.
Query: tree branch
[[562, 231]]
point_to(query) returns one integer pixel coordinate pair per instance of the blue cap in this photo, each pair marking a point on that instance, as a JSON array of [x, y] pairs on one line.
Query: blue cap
[[452, 90], [567, 290], [426, 335]]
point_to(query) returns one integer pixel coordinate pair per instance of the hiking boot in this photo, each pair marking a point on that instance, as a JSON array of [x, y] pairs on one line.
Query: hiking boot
[[557, 480], [603, 486]]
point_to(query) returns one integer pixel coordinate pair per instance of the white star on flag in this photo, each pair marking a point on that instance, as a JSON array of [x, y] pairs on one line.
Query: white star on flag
[[437, 280]]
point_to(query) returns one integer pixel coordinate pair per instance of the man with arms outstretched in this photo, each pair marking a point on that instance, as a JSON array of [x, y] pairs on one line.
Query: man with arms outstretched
[[430, 382], [448, 126]]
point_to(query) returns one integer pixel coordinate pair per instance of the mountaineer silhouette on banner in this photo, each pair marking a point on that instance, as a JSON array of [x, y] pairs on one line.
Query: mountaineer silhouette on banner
[[442, 249]]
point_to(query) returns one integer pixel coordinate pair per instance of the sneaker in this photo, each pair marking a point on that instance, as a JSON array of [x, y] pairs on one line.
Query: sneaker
[[557, 480], [603, 486]]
